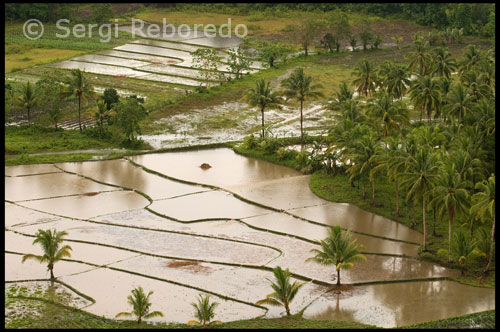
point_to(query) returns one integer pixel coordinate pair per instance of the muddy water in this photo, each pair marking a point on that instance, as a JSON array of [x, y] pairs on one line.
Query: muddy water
[[145, 57], [207, 205], [228, 168], [400, 304], [29, 169], [108, 60], [110, 290], [49, 185], [122, 173], [294, 226], [89, 206]]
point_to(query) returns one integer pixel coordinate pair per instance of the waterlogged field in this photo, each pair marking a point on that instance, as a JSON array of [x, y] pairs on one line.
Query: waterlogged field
[[161, 222]]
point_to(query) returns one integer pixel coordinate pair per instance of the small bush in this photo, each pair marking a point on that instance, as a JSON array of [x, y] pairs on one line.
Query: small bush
[[270, 144], [251, 142]]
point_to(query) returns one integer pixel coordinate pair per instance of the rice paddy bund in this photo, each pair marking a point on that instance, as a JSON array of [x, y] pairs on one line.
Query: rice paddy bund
[[160, 221], [204, 220]]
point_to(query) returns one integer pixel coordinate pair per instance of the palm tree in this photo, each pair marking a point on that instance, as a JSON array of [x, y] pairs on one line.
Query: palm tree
[[361, 162], [418, 177], [204, 312], [140, 305], [338, 249], [263, 97], [444, 64], [458, 102], [80, 87], [390, 157], [299, 86], [425, 94], [451, 195], [352, 42], [27, 99], [101, 115], [284, 291], [462, 248], [484, 207], [365, 77], [472, 56], [345, 93], [392, 114], [420, 58], [50, 241], [398, 40]]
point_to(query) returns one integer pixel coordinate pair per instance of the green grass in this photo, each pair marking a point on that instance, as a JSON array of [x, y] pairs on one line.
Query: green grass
[[37, 56], [480, 320], [27, 140]]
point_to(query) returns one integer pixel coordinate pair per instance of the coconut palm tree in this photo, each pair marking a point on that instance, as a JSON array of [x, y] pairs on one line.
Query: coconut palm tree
[[420, 58], [462, 248], [458, 102], [390, 158], [140, 305], [398, 40], [484, 208], [79, 87], [299, 86], [391, 114], [263, 97], [284, 291], [204, 312], [50, 241], [471, 57], [366, 79], [27, 99], [418, 177], [361, 163], [338, 249], [425, 94], [101, 115], [450, 195], [345, 93], [444, 64]]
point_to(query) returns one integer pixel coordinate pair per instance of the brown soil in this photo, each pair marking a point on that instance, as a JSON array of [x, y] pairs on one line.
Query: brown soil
[[90, 194], [189, 265]]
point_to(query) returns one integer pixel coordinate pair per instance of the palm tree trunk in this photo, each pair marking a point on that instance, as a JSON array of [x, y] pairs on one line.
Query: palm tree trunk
[[338, 277], [397, 199], [423, 220], [29, 121], [364, 191], [262, 112], [373, 193], [449, 234], [301, 119], [51, 268], [287, 309], [491, 245], [79, 120]]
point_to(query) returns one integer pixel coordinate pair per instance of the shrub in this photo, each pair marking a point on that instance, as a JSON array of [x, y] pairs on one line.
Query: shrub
[[250, 142]]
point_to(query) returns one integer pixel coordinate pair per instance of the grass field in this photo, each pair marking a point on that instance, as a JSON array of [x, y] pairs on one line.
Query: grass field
[[37, 56]]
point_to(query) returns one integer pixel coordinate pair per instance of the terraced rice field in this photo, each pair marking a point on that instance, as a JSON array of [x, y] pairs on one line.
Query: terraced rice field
[[166, 60], [161, 222]]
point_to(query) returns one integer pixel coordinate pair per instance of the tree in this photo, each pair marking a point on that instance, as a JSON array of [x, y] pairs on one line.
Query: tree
[[419, 175], [263, 97], [110, 97], [458, 102], [462, 248], [50, 94], [140, 305], [395, 78], [299, 86], [381, 108], [50, 241], [272, 52], [27, 98], [329, 41], [484, 208], [352, 42], [306, 31], [284, 291], [420, 58], [444, 64], [79, 86], [8, 101], [345, 93], [204, 312], [472, 56], [398, 40], [366, 37], [450, 195], [102, 12], [425, 95], [377, 40], [365, 77], [101, 115], [129, 113], [206, 61], [338, 249], [239, 61]]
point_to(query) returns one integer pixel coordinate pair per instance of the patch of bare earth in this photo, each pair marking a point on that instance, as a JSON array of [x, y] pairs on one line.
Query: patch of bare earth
[[189, 265]]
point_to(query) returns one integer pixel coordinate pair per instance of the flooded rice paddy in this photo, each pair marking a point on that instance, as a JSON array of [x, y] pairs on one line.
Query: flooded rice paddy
[[161, 222]]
